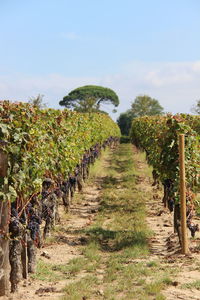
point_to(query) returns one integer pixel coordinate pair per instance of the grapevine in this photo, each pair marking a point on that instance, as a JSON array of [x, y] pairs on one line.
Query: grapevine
[[49, 153], [158, 137]]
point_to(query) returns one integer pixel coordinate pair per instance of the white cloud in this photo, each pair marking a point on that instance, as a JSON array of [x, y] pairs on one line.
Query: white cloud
[[175, 84], [52, 86], [174, 73]]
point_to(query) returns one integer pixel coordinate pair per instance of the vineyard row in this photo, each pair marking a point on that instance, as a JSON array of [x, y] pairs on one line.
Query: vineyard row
[[45, 155], [158, 137]]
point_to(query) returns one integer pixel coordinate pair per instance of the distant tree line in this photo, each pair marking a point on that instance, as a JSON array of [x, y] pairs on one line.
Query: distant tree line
[[142, 105], [89, 98]]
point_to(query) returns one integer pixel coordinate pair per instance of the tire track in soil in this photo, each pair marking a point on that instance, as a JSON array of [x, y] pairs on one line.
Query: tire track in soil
[[67, 247]]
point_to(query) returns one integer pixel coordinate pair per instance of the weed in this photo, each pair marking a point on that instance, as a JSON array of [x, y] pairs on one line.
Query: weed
[[192, 285], [74, 266], [80, 289], [44, 272]]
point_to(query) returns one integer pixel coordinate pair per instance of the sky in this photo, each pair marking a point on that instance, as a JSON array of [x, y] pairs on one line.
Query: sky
[[134, 47]]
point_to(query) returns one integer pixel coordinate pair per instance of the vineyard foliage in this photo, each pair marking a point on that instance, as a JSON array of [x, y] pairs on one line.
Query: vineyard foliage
[[158, 137], [45, 143]]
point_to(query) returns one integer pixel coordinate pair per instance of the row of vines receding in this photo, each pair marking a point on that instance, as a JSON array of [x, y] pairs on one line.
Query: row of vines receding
[[158, 137], [45, 156]]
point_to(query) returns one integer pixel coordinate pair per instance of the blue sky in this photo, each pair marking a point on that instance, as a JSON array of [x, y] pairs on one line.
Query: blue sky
[[134, 47]]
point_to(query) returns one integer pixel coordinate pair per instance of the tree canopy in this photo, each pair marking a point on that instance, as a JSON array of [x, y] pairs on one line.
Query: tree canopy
[[142, 105], [89, 97], [196, 108], [124, 121], [146, 106]]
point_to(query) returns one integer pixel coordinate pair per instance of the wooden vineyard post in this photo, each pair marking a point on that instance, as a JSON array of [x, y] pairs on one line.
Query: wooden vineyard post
[[4, 243], [184, 239]]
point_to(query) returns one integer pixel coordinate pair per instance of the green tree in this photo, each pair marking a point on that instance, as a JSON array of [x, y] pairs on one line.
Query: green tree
[[196, 108], [124, 121], [145, 105], [88, 98]]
